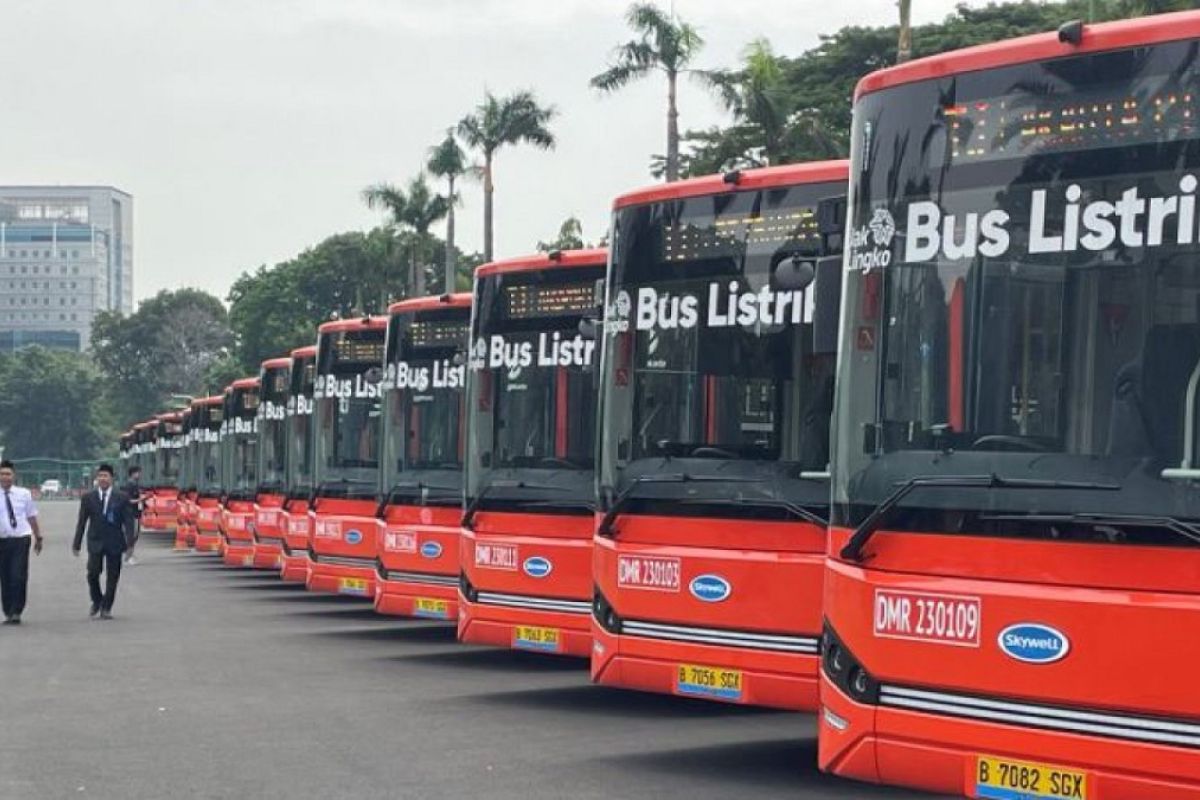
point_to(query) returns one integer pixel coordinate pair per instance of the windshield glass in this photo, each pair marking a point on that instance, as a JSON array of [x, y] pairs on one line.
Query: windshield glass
[[721, 330], [299, 426], [347, 411], [239, 443], [272, 442], [423, 394], [532, 387], [1024, 296], [168, 454], [210, 421]]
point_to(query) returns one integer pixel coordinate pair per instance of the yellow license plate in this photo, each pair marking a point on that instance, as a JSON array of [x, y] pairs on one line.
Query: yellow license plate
[[531, 637], [431, 607], [1006, 779], [356, 586], [701, 681]]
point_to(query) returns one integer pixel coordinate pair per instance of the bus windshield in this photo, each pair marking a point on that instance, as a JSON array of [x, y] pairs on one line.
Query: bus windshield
[[168, 454], [532, 388], [299, 426], [715, 359], [347, 411], [423, 393], [1024, 299], [239, 443], [209, 422], [272, 443]]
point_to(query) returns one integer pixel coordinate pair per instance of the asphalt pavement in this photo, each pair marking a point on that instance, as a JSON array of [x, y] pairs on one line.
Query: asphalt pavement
[[220, 683]]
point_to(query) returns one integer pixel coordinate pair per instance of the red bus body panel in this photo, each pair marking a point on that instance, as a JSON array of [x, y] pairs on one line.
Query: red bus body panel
[[162, 509], [1123, 609], [497, 559], [208, 525], [342, 551], [296, 527], [268, 532], [237, 540], [774, 592], [418, 550]]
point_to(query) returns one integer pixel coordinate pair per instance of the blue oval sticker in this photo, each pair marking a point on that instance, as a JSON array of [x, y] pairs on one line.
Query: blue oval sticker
[[431, 549], [353, 536], [710, 588], [537, 567], [1034, 643]]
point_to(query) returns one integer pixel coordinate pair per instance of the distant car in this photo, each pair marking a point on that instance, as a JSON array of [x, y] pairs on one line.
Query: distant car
[[51, 487]]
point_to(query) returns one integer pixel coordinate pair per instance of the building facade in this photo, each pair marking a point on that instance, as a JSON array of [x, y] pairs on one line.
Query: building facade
[[66, 254]]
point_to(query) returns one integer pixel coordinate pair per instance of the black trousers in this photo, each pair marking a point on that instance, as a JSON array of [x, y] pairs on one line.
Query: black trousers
[[14, 573], [108, 562]]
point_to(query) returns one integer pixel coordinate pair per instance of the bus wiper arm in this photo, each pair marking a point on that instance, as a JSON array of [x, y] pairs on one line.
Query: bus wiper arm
[[468, 517], [795, 509], [628, 494], [423, 488], [1187, 530], [324, 486], [862, 534]]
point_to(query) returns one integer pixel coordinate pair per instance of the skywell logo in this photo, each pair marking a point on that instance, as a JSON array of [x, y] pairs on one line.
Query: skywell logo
[[1034, 643], [710, 588]]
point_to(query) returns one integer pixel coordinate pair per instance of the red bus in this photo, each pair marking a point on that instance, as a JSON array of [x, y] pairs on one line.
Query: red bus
[[345, 491], [298, 430], [162, 489], [424, 388], [716, 397], [239, 471], [185, 517], [1014, 566], [208, 417], [272, 463], [531, 423]]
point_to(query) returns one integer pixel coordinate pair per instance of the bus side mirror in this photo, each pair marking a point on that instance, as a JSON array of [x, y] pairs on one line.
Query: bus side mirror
[[827, 302], [588, 327], [373, 376], [794, 274]]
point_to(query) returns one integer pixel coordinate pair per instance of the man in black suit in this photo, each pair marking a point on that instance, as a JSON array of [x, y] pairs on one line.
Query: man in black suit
[[103, 513]]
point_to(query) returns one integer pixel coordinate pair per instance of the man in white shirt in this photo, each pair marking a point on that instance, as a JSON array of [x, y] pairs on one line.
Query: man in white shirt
[[18, 529]]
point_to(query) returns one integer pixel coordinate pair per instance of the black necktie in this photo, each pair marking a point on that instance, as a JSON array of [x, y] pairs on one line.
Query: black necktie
[[12, 515]]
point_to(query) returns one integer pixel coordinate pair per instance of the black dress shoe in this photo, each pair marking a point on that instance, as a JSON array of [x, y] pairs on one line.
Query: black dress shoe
[[105, 614], [10, 621], [15, 619], [95, 610]]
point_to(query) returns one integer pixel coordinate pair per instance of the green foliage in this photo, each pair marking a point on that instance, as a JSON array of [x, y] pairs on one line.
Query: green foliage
[[570, 237], [274, 310], [51, 405], [414, 208], [665, 44], [165, 347]]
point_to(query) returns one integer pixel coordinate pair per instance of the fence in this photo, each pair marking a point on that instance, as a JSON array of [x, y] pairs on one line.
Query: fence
[[73, 477]]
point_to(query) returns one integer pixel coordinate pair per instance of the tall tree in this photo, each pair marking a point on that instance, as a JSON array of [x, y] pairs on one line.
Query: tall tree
[[49, 405], [447, 160], [664, 44], [416, 208], [160, 349], [570, 237], [904, 37], [500, 121]]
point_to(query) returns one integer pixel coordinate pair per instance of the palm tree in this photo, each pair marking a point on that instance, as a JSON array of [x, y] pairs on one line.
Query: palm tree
[[757, 96], [904, 40], [416, 208], [498, 121], [447, 160], [664, 44]]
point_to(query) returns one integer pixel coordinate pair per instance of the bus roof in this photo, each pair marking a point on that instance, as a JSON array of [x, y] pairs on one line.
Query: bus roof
[[1036, 47], [761, 178], [457, 300], [282, 362], [308, 351], [211, 400], [243, 383], [353, 324], [565, 258]]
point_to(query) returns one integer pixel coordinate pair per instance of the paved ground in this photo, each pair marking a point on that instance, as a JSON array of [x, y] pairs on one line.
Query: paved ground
[[216, 683]]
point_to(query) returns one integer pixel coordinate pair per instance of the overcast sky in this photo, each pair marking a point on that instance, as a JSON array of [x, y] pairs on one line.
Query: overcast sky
[[245, 129]]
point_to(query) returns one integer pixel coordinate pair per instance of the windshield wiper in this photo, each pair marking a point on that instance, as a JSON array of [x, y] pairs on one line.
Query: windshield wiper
[[628, 494], [324, 486], [1187, 530], [766, 501], [853, 549], [468, 517], [420, 486]]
